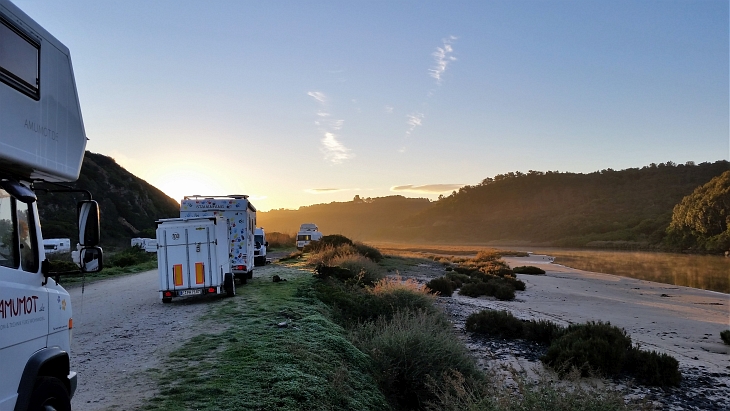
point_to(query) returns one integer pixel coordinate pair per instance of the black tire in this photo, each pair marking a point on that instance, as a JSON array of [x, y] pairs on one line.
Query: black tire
[[167, 300], [249, 274], [49, 394], [229, 285]]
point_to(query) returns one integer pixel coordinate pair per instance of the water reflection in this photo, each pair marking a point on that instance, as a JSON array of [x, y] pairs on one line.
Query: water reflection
[[697, 271]]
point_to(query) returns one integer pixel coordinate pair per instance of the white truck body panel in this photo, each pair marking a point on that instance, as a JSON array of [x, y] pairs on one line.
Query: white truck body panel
[[57, 245], [241, 217], [41, 136], [192, 254], [260, 245]]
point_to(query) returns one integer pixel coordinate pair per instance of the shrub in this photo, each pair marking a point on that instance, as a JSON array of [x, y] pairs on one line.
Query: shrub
[[458, 279], [725, 336], [442, 286], [542, 331], [332, 240], [494, 287], [365, 270], [327, 254], [653, 368], [128, 257], [594, 346], [409, 350], [518, 285], [504, 292], [280, 240], [292, 256], [369, 252], [476, 289], [495, 323], [528, 270]]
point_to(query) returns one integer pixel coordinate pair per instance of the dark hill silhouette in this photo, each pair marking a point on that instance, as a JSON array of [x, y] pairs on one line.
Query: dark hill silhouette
[[626, 208], [129, 205]]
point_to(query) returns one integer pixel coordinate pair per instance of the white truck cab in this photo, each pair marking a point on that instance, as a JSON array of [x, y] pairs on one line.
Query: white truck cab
[[42, 139], [307, 233]]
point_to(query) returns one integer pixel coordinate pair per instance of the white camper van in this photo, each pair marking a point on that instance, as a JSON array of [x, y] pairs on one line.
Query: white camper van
[[192, 257], [241, 216], [260, 245], [42, 139], [57, 245], [308, 232]]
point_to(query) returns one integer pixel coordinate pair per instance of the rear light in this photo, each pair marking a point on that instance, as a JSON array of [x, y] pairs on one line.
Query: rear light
[[167, 294], [239, 267], [211, 290], [70, 323]]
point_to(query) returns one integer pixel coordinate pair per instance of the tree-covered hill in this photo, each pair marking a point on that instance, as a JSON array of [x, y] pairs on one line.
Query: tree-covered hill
[[362, 218], [129, 205], [608, 207], [627, 208]]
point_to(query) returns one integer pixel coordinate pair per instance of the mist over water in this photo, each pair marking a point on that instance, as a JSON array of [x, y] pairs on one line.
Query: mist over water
[[707, 272]]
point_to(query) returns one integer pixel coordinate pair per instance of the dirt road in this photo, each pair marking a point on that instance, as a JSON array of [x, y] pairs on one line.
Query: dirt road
[[121, 331]]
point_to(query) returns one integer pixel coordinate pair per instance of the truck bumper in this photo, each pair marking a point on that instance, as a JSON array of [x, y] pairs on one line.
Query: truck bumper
[[72, 383]]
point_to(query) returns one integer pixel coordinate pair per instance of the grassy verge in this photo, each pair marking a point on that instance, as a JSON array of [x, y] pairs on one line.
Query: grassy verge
[[276, 351]]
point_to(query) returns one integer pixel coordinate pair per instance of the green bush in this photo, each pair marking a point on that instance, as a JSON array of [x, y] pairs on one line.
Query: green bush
[[408, 351], [592, 347], [504, 292], [443, 286], [725, 336], [365, 270], [128, 257], [495, 323], [528, 270], [542, 331], [458, 279], [477, 289], [368, 252], [332, 240], [653, 368]]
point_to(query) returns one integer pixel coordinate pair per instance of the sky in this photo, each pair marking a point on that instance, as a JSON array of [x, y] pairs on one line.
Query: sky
[[303, 102]]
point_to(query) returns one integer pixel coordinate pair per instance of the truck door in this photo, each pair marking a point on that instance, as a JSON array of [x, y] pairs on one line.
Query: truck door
[[23, 298], [188, 256]]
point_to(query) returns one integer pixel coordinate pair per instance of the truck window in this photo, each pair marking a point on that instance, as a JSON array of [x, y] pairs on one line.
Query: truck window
[[8, 242], [26, 235], [19, 57]]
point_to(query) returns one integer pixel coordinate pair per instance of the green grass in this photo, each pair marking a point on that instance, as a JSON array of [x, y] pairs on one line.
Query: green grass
[[108, 273], [254, 364]]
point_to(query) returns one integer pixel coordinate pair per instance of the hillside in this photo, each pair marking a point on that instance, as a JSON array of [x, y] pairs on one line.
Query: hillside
[[129, 205], [626, 208], [361, 218]]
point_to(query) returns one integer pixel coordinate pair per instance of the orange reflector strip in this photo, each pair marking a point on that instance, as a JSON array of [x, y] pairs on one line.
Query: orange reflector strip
[[199, 273], [70, 323], [177, 275]]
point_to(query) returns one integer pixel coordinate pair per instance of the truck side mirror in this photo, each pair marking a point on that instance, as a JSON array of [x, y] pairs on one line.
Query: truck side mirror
[[266, 244], [88, 217], [91, 259]]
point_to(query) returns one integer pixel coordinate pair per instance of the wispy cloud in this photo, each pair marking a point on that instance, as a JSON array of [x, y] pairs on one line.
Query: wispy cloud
[[427, 188], [328, 190], [334, 151], [414, 120], [389, 109], [443, 57], [318, 96]]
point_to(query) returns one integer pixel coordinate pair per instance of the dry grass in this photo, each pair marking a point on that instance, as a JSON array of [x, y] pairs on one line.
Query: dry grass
[[396, 283]]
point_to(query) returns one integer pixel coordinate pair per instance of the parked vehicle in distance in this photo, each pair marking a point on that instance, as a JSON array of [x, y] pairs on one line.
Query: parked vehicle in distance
[[42, 139], [192, 257], [57, 245], [260, 245], [241, 217], [141, 242], [307, 233]]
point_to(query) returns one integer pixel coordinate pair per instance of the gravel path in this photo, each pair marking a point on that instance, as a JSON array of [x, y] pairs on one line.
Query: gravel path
[[122, 330]]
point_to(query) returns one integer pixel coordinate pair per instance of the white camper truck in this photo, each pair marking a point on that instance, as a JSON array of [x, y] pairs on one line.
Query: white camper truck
[[241, 216], [42, 139], [308, 232], [57, 245], [192, 257], [260, 244]]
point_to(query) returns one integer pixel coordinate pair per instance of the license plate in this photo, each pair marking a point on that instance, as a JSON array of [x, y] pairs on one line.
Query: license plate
[[182, 293]]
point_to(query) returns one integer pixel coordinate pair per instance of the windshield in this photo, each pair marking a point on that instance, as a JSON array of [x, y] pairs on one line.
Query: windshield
[[258, 239], [304, 237]]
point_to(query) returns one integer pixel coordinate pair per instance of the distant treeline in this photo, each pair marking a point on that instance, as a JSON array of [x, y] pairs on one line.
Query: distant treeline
[[630, 208]]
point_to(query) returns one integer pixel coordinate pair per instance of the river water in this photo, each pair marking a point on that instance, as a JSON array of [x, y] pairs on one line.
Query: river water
[[707, 272]]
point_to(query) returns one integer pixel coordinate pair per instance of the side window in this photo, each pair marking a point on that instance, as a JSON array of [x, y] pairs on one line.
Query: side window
[[8, 242], [26, 235], [19, 58]]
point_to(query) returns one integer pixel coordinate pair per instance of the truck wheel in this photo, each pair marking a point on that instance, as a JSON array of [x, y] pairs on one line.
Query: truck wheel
[[249, 274], [49, 394], [166, 300], [229, 285]]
